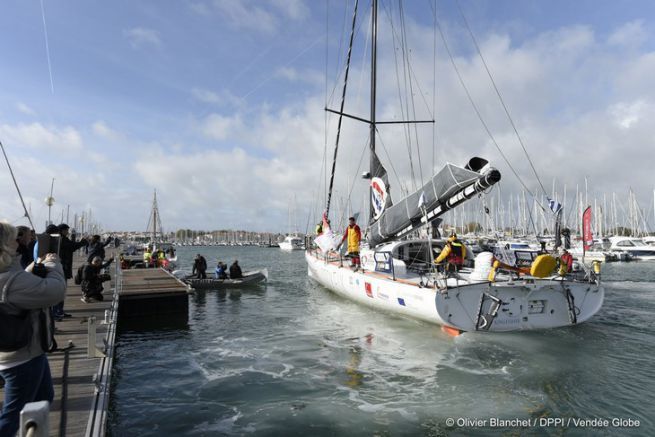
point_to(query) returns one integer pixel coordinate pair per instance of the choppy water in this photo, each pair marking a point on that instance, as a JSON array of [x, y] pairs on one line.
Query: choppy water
[[291, 358]]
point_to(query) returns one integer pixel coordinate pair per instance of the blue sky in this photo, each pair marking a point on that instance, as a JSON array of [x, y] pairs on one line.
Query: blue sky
[[219, 103]]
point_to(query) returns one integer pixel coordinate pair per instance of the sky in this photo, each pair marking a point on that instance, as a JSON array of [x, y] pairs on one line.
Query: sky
[[219, 104]]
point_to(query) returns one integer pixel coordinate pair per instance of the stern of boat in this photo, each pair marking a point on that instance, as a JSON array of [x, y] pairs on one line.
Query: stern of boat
[[529, 304]]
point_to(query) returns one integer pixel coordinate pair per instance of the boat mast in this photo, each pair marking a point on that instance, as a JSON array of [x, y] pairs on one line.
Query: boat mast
[[154, 215], [374, 37]]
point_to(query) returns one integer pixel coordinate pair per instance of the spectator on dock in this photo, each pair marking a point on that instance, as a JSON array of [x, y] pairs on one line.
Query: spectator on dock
[[24, 238], [220, 271], [26, 329], [97, 248], [66, 249], [92, 280], [200, 267], [235, 270]]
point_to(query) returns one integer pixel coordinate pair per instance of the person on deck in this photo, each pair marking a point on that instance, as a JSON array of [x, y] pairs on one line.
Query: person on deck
[[566, 263], [26, 334], [454, 253], [66, 250], [97, 248], [235, 270], [24, 238], [147, 256], [92, 280], [354, 235], [219, 272], [319, 229], [200, 267], [161, 257]]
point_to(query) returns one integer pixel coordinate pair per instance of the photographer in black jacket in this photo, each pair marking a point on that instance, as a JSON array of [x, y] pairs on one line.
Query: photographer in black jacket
[[66, 249], [92, 280]]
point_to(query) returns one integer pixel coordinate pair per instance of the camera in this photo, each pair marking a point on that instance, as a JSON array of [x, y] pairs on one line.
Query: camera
[[48, 243]]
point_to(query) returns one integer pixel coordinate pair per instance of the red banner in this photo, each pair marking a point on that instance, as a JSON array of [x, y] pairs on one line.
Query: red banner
[[587, 236]]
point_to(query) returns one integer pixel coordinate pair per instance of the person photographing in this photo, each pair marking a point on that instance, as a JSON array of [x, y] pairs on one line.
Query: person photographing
[[25, 328]]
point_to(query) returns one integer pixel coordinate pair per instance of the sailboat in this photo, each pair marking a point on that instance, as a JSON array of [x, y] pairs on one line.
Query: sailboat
[[397, 273], [292, 241], [155, 230]]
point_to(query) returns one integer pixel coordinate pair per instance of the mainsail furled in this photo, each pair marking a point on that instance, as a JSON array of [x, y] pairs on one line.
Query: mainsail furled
[[447, 189]]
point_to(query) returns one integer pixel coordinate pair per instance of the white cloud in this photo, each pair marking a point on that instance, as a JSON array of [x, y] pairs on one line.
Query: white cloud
[[220, 127], [247, 15], [101, 129], [221, 98], [630, 34], [627, 114], [36, 135], [293, 75], [294, 9], [22, 107], [140, 37], [206, 96]]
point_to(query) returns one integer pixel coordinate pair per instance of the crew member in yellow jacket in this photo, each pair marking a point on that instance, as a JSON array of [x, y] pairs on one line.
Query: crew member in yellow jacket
[[354, 235], [454, 253], [147, 256]]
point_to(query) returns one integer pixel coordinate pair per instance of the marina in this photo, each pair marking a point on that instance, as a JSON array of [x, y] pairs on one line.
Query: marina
[[82, 365], [351, 217]]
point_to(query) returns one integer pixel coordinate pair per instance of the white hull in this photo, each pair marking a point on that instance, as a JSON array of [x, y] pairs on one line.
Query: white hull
[[289, 247], [467, 306]]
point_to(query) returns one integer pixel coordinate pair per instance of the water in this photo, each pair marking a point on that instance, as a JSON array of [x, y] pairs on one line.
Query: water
[[290, 358]]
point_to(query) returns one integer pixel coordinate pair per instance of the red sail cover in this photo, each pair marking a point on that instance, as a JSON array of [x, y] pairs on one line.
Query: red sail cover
[[587, 236]]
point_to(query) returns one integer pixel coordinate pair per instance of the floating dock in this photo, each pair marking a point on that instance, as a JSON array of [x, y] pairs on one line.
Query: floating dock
[[82, 366]]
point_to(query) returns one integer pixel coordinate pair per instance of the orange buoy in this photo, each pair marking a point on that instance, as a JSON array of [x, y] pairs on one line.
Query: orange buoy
[[453, 332]]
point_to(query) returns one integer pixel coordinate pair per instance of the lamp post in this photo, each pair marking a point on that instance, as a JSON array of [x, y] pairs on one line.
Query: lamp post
[[50, 200]]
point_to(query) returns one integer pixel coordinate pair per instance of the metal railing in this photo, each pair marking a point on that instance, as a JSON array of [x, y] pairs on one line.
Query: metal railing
[[384, 263], [102, 379]]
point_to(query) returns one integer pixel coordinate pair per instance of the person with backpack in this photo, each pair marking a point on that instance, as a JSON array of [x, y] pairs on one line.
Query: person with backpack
[[25, 329], [66, 249], [92, 280]]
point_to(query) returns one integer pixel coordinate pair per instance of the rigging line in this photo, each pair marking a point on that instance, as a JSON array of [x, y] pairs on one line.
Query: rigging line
[[407, 129], [294, 59], [502, 101], [400, 98], [408, 88], [16, 185], [411, 93], [343, 100], [363, 70], [359, 165], [47, 48], [336, 81], [323, 176], [477, 112], [433, 5], [393, 169]]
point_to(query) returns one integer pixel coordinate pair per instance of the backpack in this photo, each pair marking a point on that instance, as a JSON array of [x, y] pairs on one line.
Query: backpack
[[78, 275], [16, 330]]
